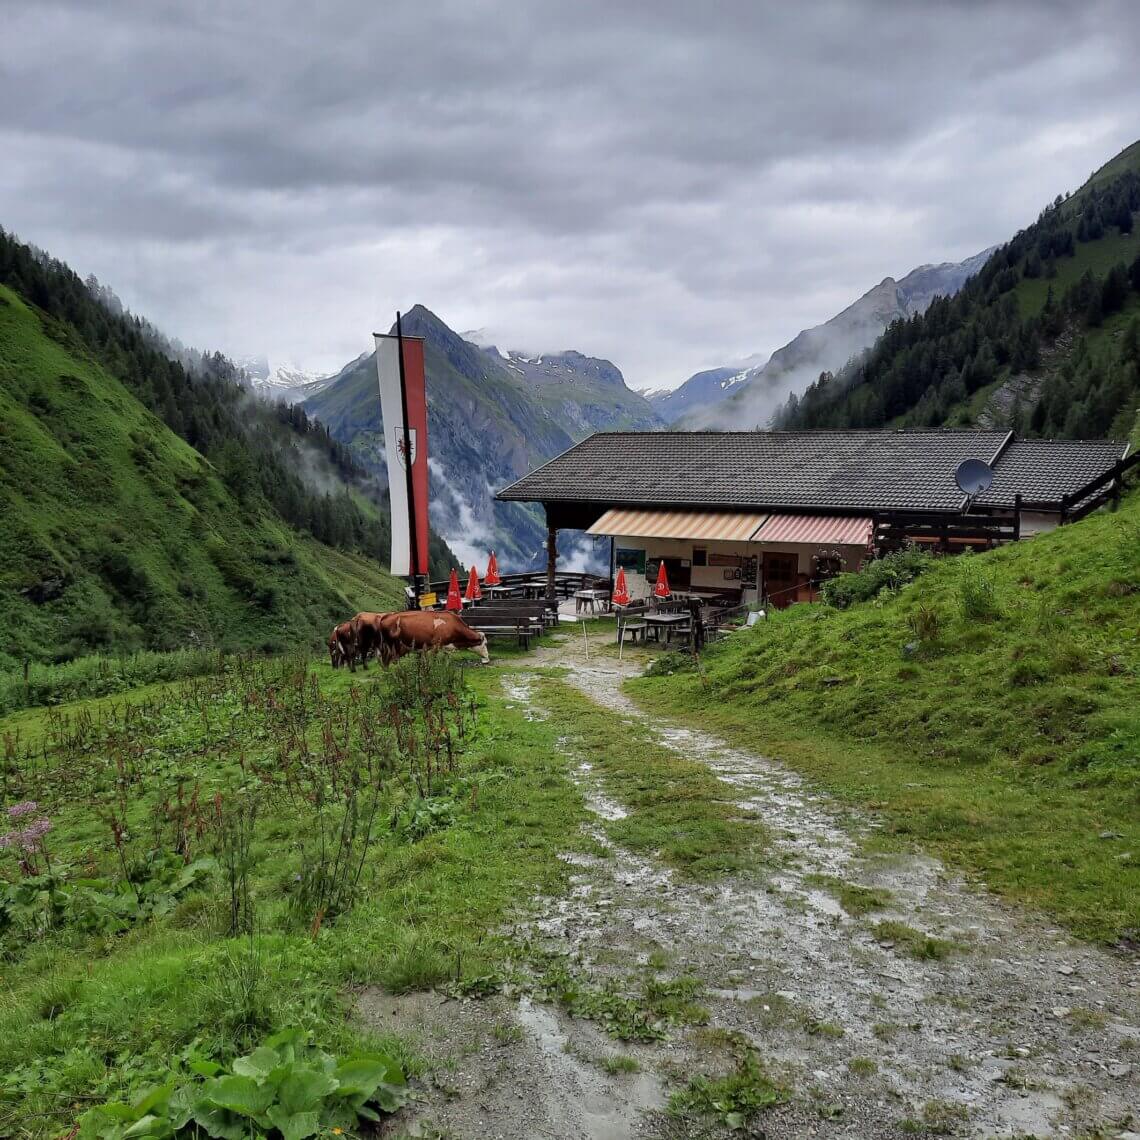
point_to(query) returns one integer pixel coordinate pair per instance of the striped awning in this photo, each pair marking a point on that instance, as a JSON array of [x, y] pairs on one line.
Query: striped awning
[[715, 525], [829, 529]]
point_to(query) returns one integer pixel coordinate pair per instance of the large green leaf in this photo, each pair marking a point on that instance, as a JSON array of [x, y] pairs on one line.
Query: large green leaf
[[304, 1087], [286, 1042], [296, 1125], [366, 1071], [157, 1097], [106, 1122], [259, 1064], [199, 869], [151, 1127], [219, 1123], [391, 1098], [238, 1094], [182, 1104]]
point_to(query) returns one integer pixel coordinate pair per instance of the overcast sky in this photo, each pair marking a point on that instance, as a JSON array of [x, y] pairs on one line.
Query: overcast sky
[[671, 185]]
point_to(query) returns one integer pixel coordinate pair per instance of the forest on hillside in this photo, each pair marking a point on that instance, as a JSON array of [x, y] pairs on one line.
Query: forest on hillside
[[275, 452], [1081, 339]]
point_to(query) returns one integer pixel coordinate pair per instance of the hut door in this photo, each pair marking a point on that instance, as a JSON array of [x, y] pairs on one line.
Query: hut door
[[781, 577]]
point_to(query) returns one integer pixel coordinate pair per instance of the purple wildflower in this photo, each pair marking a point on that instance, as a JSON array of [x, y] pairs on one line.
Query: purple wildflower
[[34, 832], [16, 811], [31, 836]]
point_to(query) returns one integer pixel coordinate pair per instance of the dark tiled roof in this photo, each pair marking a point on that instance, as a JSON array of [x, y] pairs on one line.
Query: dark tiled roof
[[1042, 470], [840, 471]]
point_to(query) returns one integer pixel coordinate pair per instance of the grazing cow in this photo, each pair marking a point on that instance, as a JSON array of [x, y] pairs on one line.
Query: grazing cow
[[409, 630], [367, 639], [342, 645]]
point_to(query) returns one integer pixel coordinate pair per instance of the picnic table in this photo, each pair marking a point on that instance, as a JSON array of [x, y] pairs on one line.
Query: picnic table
[[503, 591], [583, 598], [670, 623], [534, 587]]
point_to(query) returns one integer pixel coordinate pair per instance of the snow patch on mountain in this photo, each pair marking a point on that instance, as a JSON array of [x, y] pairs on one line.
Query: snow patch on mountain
[[283, 381]]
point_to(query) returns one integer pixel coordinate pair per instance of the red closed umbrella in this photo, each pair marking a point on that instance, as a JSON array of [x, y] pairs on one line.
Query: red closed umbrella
[[454, 601], [621, 590], [492, 575], [474, 592], [661, 590]]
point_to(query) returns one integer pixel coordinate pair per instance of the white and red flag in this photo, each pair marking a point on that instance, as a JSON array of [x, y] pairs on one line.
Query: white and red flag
[[402, 387]]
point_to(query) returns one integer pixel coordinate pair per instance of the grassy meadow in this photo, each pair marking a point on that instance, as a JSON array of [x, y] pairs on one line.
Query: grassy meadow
[[988, 711], [230, 854]]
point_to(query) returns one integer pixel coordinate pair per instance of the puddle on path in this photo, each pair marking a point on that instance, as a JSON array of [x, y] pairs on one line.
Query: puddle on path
[[936, 1031]]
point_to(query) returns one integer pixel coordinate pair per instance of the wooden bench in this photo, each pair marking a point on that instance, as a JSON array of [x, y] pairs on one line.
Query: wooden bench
[[521, 620], [631, 620]]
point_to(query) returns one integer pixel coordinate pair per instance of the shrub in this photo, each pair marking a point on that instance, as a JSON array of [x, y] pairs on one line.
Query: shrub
[[891, 573], [925, 623], [977, 597], [283, 1087], [98, 676]]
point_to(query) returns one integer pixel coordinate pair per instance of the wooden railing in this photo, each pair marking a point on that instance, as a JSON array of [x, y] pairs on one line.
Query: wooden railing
[[1109, 485]]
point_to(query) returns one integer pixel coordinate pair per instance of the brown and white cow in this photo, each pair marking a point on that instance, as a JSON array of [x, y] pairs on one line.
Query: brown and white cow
[[408, 630], [342, 645]]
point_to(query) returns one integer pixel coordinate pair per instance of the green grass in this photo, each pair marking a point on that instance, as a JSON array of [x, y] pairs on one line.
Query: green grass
[[89, 1016], [855, 899], [735, 1098], [913, 942], [118, 536], [617, 1063], [678, 809], [1006, 744]]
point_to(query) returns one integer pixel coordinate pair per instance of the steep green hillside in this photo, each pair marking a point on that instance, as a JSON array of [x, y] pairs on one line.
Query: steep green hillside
[[988, 711], [1045, 339], [487, 426], [116, 534]]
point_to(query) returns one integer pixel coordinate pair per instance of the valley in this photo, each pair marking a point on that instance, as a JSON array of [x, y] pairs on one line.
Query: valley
[[864, 863]]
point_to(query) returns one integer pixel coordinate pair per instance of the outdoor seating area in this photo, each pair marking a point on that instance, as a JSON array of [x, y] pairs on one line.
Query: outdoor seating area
[[680, 622], [516, 607]]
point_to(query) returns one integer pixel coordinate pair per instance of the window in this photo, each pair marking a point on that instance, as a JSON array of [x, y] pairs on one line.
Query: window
[[700, 556]]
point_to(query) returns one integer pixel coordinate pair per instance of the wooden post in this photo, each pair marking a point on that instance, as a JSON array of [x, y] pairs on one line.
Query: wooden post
[[551, 565], [1017, 517]]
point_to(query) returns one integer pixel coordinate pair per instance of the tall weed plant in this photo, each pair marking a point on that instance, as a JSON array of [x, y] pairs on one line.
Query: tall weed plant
[[889, 573]]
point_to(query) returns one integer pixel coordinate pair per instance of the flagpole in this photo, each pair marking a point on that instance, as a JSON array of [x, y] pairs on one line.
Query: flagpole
[[414, 560]]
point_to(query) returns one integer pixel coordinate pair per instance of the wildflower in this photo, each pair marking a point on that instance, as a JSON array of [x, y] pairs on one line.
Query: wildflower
[[34, 832], [9, 839], [17, 811], [338, 1131]]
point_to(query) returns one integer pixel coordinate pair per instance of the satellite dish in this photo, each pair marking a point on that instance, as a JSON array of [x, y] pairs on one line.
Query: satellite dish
[[973, 476]]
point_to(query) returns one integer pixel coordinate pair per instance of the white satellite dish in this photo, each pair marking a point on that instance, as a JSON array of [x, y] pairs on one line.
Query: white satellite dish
[[973, 476]]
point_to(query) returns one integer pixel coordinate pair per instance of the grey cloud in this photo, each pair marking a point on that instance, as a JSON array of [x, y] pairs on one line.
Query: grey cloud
[[663, 185]]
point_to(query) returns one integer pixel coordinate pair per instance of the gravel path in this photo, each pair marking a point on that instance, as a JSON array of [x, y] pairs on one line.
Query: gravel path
[[1018, 1032]]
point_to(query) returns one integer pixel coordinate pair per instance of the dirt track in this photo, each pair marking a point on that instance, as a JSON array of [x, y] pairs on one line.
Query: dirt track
[[1019, 1031]]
